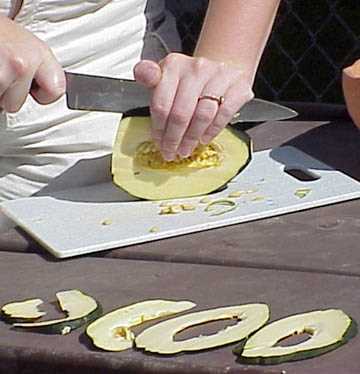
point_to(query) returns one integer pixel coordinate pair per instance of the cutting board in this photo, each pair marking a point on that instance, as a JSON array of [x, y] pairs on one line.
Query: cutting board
[[100, 217]]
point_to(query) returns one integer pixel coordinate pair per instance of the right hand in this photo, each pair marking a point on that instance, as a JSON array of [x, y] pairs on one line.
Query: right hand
[[27, 66]]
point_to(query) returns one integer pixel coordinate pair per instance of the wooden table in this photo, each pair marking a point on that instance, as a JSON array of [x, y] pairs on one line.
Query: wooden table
[[118, 282], [295, 263]]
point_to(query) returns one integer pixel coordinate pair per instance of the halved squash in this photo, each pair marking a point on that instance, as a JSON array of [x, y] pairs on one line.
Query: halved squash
[[139, 169], [80, 309]]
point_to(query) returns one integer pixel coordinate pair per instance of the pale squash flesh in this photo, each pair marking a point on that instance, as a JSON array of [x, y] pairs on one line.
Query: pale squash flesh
[[139, 169]]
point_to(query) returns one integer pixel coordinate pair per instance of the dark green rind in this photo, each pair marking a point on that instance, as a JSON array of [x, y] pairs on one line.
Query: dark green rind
[[245, 137], [8, 319], [296, 356], [57, 328], [238, 349]]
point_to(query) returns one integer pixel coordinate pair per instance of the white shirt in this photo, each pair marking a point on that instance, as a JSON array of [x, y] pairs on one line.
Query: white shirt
[[51, 146]]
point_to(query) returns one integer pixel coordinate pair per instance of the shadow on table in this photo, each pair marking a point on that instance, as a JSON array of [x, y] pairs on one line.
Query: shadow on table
[[336, 144], [96, 186]]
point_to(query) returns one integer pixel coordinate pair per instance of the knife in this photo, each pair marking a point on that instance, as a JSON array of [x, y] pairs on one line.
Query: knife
[[97, 93]]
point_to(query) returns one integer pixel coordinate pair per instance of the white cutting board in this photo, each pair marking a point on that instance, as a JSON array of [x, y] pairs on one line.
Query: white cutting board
[[100, 217]]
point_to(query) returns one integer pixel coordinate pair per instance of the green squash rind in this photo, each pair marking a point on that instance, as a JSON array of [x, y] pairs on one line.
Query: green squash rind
[[58, 328]]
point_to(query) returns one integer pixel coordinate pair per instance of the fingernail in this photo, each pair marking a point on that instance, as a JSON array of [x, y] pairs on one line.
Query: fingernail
[[205, 139], [169, 156], [184, 152]]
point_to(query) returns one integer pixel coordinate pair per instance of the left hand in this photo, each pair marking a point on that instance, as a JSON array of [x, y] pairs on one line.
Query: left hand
[[180, 120]]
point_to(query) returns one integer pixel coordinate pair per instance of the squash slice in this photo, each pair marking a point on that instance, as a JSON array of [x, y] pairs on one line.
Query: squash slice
[[112, 331], [139, 169], [160, 338], [80, 309], [328, 329]]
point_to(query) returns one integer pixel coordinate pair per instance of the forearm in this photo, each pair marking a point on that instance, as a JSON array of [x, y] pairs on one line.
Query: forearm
[[236, 32]]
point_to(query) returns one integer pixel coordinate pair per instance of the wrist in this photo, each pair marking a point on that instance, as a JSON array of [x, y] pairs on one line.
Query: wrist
[[245, 68]]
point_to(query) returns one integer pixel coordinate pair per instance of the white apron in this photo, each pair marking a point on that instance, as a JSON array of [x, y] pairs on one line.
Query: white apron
[[46, 148]]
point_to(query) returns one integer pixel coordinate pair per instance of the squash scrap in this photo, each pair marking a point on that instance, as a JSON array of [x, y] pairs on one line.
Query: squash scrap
[[230, 204], [171, 209], [176, 208], [205, 200], [236, 194], [302, 192], [22, 311], [188, 207]]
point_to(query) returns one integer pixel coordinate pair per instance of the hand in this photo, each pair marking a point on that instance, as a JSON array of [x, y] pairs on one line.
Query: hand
[[180, 121], [27, 65]]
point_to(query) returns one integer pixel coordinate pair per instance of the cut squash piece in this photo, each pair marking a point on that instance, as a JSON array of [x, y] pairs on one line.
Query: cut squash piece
[[112, 332], [22, 311], [328, 329], [80, 309], [160, 338], [139, 169]]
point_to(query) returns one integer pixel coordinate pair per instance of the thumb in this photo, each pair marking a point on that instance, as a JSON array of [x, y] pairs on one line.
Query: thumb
[[147, 73], [49, 81]]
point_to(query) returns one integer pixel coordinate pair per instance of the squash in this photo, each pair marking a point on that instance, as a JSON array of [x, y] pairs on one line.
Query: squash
[[139, 169], [328, 329], [79, 307], [113, 331], [351, 90], [160, 338], [22, 311]]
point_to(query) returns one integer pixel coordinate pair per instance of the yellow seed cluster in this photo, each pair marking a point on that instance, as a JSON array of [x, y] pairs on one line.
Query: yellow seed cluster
[[147, 155]]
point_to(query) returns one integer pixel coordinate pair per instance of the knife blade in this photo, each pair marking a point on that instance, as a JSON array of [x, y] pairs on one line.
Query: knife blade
[[98, 93]]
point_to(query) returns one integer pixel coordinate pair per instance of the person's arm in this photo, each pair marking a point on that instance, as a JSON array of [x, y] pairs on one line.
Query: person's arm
[[27, 65], [224, 64], [236, 32]]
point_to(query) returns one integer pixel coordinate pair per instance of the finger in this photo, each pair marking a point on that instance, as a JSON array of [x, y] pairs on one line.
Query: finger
[[205, 112], [50, 81], [203, 116], [180, 116], [18, 85], [234, 98], [148, 73], [7, 76], [162, 101]]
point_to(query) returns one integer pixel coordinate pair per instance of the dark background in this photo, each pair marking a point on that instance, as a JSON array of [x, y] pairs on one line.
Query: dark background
[[312, 41]]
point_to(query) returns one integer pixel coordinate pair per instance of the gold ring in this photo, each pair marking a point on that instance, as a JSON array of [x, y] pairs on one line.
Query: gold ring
[[219, 99]]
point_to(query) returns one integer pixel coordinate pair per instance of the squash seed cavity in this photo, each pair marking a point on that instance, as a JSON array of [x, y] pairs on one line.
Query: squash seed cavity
[[204, 156]]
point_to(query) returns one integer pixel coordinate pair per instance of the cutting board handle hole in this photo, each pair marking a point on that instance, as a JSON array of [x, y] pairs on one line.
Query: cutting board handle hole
[[301, 174]]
